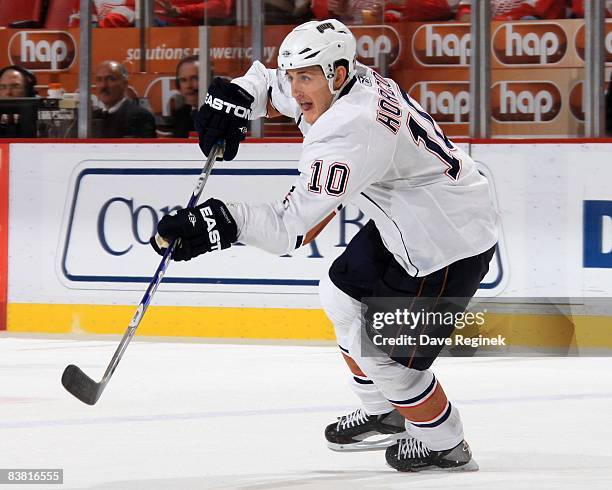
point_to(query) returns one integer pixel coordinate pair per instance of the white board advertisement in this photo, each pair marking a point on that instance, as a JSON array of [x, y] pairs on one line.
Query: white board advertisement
[[556, 206], [81, 216]]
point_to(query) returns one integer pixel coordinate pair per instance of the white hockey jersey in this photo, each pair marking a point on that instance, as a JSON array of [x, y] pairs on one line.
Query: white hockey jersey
[[376, 148]]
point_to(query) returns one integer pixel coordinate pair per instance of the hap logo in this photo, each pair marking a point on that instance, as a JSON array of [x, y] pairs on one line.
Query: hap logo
[[162, 95], [529, 44], [447, 102], [442, 44], [597, 236], [527, 101], [374, 41], [576, 101], [580, 41], [42, 51]]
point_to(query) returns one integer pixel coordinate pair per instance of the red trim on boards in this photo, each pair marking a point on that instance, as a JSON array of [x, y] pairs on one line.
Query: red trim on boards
[[531, 141], [124, 141], [4, 203]]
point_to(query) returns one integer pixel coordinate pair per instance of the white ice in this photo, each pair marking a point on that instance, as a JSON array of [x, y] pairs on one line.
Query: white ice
[[181, 415]]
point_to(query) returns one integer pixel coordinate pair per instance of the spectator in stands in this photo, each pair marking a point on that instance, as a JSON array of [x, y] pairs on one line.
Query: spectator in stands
[[377, 11], [519, 10], [528, 9], [287, 11], [118, 117], [351, 11], [187, 83], [16, 81], [578, 8], [428, 10], [108, 13], [193, 12]]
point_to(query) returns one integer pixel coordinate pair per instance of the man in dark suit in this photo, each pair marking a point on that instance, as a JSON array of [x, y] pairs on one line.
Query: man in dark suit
[[187, 83], [16, 81], [118, 117]]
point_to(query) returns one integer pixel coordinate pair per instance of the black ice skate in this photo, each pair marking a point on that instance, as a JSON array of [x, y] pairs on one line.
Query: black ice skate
[[412, 455], [359, 431]]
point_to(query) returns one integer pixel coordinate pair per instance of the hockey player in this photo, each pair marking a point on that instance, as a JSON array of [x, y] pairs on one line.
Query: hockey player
[[519, 9], [432, 228]]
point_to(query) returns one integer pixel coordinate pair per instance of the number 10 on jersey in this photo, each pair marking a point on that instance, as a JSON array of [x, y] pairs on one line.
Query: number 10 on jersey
[[335, 182]]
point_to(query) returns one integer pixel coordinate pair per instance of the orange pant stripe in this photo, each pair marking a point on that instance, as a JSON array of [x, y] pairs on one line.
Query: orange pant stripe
[[429, 409], [318, 228], [355, 369]]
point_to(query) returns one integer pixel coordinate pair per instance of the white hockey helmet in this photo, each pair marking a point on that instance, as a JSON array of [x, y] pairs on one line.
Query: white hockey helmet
[[319, 43]]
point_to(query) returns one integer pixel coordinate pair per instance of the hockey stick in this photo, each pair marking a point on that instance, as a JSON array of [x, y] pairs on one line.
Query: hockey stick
[[74, 379]]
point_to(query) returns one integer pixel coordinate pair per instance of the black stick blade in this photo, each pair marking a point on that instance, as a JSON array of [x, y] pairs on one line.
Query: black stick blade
[[80, 385]]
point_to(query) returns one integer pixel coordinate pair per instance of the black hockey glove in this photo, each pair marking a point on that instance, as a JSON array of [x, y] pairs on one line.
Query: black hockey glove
[[205, 228], [223, 116]]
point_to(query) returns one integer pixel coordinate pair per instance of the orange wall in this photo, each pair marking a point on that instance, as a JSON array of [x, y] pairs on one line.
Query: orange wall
[[537, 68]]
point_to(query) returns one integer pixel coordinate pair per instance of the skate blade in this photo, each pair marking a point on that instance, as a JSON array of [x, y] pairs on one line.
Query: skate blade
[[472, 465], [369, 444]]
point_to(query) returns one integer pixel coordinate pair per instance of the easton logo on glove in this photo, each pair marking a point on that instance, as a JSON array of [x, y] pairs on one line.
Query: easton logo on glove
[[205, 228], [227, 107], [213, 234], [192, 219], [223, 116]]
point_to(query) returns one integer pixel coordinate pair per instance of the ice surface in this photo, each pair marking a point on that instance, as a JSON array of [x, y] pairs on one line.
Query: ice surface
[[180, 415]]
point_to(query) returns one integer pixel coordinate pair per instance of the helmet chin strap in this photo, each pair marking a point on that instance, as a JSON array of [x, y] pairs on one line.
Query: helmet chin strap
[[330, 82]]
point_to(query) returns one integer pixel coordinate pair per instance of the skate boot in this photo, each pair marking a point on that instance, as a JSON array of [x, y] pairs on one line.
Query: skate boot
[[359, 431], [412, 455]]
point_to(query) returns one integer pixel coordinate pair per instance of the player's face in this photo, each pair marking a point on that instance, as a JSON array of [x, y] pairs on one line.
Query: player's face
[[111, 86], [310, 89], [188, 83], [12, 84]]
